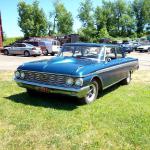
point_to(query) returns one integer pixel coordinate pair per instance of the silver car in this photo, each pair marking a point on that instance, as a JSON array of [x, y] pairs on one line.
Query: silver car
[[22, 49]]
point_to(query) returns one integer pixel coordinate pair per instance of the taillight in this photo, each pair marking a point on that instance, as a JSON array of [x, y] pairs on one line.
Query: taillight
[[33, 48]]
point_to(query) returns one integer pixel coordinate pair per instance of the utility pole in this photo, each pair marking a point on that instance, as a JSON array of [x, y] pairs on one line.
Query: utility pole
[[1, 33]]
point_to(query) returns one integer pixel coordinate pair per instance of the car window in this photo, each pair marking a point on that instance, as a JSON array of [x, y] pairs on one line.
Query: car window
[[15, 45], [83, 52], [54, 43], [110, 52], [22, 45], [119, 52], [58, 43], [18, 45]]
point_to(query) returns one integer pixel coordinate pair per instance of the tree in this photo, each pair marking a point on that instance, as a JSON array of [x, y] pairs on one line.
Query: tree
[[63, 20], [141, 10], [87, 32], [116, 17], [32, 19], [146, 7]]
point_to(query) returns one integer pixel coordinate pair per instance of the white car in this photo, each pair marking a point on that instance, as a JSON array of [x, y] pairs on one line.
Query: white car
[[143, 48], [50, 47], [22, 49]]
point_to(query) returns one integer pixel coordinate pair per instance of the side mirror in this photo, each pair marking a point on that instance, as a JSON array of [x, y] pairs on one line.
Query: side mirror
[[108, 59]]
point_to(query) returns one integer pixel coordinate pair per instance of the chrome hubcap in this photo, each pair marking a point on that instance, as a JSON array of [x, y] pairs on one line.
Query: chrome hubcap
[[26, 53], [91, 93]]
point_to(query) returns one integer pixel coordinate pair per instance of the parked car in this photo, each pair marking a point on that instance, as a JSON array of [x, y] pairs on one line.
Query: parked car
[[22, 49], [143, 48], [48, 47], [127, 46], [81, 70], [127, 49]]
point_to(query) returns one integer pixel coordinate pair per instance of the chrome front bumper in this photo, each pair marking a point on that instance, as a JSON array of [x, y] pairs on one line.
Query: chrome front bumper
[[80, 93]]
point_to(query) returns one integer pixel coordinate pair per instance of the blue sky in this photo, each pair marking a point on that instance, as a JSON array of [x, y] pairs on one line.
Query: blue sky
[[9, 13]]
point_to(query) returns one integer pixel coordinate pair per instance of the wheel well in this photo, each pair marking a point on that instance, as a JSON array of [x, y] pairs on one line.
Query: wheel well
[[98, 80], [26, 51]]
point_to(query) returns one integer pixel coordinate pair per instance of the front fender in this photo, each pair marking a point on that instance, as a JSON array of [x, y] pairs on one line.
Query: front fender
[[88, 79]]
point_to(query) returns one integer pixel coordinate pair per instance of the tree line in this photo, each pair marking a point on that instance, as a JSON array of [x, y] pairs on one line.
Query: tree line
[[118, 18]]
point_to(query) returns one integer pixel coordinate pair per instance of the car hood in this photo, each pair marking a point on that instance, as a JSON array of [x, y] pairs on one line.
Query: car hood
[[60, 65]]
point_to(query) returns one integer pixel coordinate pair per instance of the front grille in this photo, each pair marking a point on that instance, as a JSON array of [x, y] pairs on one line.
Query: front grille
[[46, 78]]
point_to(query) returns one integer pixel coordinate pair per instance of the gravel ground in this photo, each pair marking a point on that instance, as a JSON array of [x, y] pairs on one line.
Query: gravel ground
[[144, 60], [10, 63]]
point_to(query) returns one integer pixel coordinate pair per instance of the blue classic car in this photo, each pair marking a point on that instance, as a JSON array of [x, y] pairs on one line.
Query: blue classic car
[[81, 70]]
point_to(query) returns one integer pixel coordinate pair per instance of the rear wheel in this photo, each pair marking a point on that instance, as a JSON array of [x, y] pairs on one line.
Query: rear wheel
[[45, 52], [127, 80], [52, 54], [92, 93], [6, 52], [26, 54]]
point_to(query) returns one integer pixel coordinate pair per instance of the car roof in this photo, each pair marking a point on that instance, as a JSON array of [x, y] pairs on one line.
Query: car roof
[[89, 44]]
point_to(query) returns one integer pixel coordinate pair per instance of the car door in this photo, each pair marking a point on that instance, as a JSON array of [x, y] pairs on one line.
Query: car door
[[22, 48], [13, 49], [112, 71]]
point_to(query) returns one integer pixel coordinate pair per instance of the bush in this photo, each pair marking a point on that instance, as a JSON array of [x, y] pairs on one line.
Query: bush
[[9, 41]]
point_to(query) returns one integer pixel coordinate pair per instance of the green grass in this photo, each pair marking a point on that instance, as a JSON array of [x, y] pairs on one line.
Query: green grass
[[119, 119]]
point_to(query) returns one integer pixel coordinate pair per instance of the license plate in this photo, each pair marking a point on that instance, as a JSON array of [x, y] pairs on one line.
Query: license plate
[[43, 89]]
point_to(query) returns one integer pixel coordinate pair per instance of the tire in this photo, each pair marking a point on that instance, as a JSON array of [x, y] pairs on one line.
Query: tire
[[26, 54], [92, 93], [127, 80], [6, 52], [52, 54], [46, 52]]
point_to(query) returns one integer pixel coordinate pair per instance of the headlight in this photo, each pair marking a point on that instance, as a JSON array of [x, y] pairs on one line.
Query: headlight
[[79, 82], [22, 75], [69, 81], [17, 74]]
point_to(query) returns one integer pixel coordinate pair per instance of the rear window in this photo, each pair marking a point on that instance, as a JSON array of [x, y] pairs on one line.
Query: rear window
[[42, 44]]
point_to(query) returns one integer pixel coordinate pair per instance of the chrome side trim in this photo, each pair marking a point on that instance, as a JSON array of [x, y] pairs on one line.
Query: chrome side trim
[[111, 68]]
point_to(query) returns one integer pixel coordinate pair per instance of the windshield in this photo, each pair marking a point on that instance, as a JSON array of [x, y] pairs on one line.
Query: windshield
[[83, 52]]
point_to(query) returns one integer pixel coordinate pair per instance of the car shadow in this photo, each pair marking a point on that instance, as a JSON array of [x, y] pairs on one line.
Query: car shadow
[[109, 90], [54, 101]]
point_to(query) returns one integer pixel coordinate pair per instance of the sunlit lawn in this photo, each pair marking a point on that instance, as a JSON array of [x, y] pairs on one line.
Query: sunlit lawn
[[119, 119]]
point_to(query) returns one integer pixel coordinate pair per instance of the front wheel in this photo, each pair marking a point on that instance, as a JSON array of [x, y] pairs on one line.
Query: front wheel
[[92, 93], [6, 52], [52, 54], [127, 80]]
